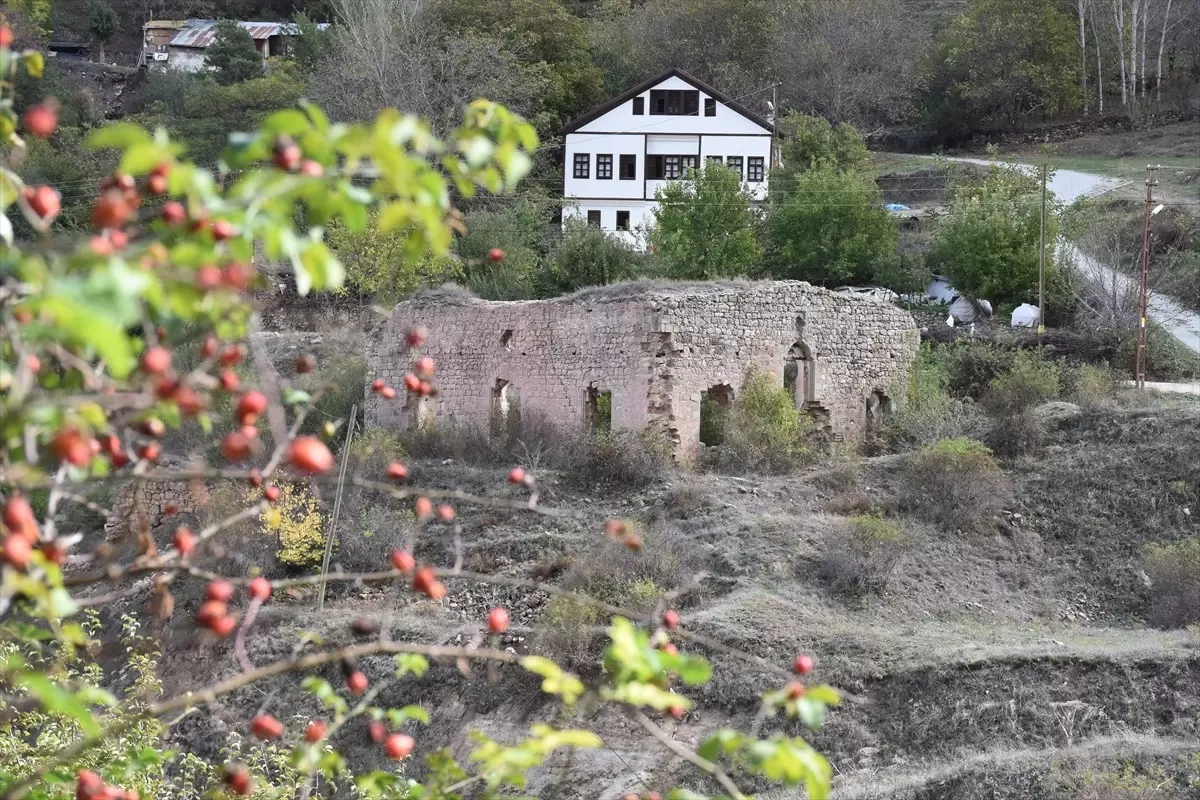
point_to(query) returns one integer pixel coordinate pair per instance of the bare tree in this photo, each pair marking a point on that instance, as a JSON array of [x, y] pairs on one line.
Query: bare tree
[[1119, 18], [1099, 59], [1081, 10]]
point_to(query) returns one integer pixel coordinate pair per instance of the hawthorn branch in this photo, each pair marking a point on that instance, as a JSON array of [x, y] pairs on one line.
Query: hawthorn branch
[[686, 753], [210, 694]]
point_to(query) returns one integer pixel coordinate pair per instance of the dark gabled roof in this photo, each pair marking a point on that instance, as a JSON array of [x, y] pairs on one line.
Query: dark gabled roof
[[673, 72]]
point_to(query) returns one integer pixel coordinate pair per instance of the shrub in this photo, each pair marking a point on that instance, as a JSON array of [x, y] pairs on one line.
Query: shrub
[[343, 389], [971, 366], [571, 625], [1090, 386], [588, 256], [862, 557], [1027, 382], [298, 523], [1016, 434], [615, 574], [763, 430], [704, 226], [849, 503], [1174, 571], [955, 482], [622, 458], [684, 502], [930, 413]]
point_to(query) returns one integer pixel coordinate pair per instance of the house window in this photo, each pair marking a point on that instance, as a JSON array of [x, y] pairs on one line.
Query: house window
[[690, 162], [754, 169], [675, 102], [716, 160], [583, 163], [733, 162], [594, 219], [604, 166], [639, 106], [622, 220], [628, 167], [710, 106], [671, 167]]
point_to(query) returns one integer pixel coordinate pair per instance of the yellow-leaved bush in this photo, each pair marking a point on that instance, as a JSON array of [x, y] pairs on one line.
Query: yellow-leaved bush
[[296, 519]]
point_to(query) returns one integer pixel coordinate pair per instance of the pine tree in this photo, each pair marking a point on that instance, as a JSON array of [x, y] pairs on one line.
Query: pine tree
[[233, 56], [104, 23]]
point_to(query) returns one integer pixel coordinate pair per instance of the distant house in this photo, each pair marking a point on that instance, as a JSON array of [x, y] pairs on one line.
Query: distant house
[[621, 153], [181, 45]]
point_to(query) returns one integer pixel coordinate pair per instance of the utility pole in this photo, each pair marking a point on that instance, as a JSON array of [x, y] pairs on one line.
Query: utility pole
[[1041, 329], [1144, 280], [774, 123]]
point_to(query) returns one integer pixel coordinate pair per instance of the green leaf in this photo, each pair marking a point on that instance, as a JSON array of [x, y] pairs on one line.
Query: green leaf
[[398, 716], [118, 136], [692, 670], [35, 63], [824, 694], [56, 700], [294, 397], [811, 712], [646, 695], [413, 664], [557, 681]]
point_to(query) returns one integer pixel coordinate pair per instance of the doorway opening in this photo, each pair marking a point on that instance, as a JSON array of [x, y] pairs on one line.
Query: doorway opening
[[800, 374], [599, 410], [715, 403]]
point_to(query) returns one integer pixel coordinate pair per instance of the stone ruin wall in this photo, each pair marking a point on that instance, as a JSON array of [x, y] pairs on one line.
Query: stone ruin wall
[[656, 347], [191, 497]]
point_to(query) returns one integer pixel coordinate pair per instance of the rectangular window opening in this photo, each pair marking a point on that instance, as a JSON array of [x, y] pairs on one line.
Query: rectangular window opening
[[755, 169], [716, 160], [735, 164], [710, 106], [639, 106], [672, 167], [622, 220], [628, 167], [675, 102], [604, 167], [593, 218], [583, 162]]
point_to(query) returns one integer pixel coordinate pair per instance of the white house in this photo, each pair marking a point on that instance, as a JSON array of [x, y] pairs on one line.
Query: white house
[[619, 154]]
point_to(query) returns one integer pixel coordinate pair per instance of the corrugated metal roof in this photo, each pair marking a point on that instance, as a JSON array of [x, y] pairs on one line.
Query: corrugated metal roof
[[200, 33]]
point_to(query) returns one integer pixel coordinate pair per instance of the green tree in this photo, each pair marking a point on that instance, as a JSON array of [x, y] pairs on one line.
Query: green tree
[[311, 46], [104, 23], [519, 231], [830, 227], [588, 256], [704, 226], [233, 56], [1001, 62], [988, 244], [382, 263], [810, 142]]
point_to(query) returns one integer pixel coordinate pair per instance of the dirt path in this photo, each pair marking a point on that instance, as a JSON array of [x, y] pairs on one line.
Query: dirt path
[[1068, 185]]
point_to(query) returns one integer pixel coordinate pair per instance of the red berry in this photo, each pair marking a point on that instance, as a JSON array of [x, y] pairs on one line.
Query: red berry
[[153, 426], [70, 446], [416, 336], [209, 348], [55, 552], [229, 380], [498, 620], [224, 626], [387, 393], [185, 541], [237, 778], [219, 590], [87, 782], [260, 589], [670, 619], [40, 120], [676, 712], [495, 254], [356, 683], [156, 185], [304, 364], [309, 454], [398, 746], [670, 649], [44, 201], [795, 690], [6, 36], [251, 404], [174, 213], [403, 560], [287, 154], [210, 611], [18, 517], [223, 229], [255, 478], [315, 731], [162, 168], [422, 507], [803, 664], [235, 446], [272, 493], [424, 366], [312, 169], [112, 210], [377, 385], [397, 471], [190, 404], [33, 363], [436, 591], [170, 509], [236, 277], [425, 389], [516, 475], [16, 550], [208, 278], [445, 512], [377, 731], [232, 355], [149, 451], [412, 383], [264, 726], [423, 579], [156, 360]]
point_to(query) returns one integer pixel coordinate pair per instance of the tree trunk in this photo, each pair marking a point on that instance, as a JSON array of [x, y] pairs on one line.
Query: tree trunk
[[1081, 7], [1142, 66], [1099, 64], [1134, 8], [1119, 18], [1162, 40], [102, 60]]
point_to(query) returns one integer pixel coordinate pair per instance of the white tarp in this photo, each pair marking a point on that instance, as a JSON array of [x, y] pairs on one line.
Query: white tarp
[[1025, 316], [939, 290]]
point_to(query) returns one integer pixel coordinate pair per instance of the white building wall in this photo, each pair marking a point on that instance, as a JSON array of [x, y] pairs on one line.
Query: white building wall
[[622, 119], [186, 59], [615, 145]]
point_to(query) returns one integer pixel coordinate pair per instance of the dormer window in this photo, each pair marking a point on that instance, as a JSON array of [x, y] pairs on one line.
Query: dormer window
[[639, 106], [675, 102]]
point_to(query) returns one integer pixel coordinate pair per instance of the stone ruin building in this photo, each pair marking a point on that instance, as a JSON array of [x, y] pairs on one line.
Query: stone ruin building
[[646, 354]]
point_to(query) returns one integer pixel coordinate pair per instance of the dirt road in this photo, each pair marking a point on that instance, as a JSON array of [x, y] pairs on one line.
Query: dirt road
[[1183, 323]]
